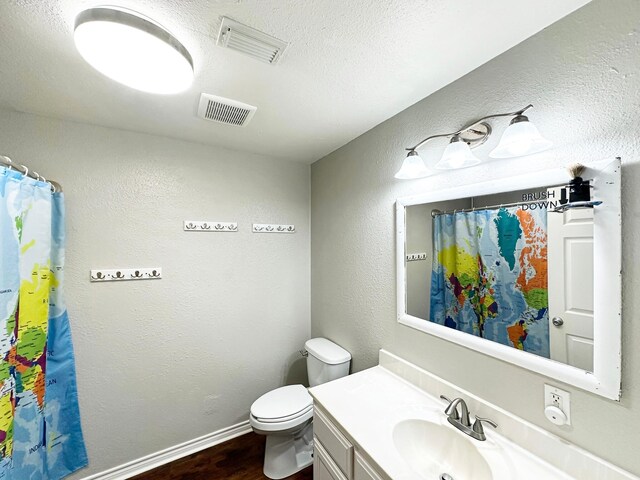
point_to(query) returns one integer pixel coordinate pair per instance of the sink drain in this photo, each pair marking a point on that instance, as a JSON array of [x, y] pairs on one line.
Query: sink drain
[[446, 476]]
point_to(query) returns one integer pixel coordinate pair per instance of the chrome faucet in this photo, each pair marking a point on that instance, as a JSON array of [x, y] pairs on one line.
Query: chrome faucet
[[461, 420]]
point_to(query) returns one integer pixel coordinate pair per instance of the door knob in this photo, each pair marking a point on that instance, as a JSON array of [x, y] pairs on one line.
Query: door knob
[[557, 321]]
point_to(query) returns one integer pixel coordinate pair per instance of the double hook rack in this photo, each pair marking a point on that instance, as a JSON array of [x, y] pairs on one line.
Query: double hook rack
[[273, 228], [204, 226], [119, 274]]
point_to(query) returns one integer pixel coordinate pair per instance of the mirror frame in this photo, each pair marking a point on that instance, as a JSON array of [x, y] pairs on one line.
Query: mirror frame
[[606, 375]]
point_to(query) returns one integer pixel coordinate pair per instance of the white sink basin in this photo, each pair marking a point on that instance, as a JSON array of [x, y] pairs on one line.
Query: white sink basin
[[431, 449]]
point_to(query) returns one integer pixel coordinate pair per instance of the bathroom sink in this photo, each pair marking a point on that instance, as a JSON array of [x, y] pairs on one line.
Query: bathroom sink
[[432, 449]]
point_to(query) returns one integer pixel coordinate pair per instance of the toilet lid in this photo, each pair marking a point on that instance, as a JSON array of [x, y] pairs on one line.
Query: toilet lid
[[282, 402]]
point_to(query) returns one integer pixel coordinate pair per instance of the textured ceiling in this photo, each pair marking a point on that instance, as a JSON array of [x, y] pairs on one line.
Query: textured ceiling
[[351, 64]]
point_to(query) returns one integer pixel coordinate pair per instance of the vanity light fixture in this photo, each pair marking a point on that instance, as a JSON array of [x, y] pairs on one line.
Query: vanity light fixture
[[412, 167], [457, 155], [519, 139], [133, 50]]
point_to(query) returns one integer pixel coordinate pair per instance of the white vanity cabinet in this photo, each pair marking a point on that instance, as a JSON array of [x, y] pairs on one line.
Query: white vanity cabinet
[[362, 470], [324, 468], [335, 457]]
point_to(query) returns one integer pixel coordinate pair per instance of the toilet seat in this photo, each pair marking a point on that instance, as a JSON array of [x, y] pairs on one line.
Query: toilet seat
[[287, 418], [282, 409]]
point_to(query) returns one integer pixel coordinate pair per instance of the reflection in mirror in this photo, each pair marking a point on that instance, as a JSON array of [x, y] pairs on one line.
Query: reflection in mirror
[[507, 268]]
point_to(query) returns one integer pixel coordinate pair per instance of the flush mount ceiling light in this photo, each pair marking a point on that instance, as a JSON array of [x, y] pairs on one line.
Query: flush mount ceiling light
[[519, 139], [133, 50]]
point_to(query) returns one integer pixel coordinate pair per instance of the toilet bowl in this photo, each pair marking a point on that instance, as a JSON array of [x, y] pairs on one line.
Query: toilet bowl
[[285, 414]]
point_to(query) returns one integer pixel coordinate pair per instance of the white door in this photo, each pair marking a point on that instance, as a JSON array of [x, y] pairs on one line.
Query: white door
[[570, 262]]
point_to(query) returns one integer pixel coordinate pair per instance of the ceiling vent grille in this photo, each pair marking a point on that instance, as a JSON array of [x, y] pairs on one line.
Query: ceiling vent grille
[[225, 110], [250, 41]]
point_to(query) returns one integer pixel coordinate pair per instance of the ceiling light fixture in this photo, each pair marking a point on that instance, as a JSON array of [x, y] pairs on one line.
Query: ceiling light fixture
[[520, 138], [133, 50]]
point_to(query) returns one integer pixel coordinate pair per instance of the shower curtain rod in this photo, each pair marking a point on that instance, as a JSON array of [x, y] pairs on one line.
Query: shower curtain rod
[[436, 212], [7, 162]]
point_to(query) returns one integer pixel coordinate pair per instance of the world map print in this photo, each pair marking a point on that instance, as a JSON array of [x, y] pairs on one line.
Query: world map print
[[40, 434], [489, 276]]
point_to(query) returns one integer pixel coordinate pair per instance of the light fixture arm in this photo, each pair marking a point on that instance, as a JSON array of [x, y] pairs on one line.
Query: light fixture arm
[[469, 126]]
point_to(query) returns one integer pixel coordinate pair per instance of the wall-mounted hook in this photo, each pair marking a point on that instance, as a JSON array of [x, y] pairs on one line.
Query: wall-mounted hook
[[98, 276], [120, 274], [206, 226], [273, 228]]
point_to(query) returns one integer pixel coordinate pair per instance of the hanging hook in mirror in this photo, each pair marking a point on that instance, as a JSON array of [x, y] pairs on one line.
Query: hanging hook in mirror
[[8, 161]]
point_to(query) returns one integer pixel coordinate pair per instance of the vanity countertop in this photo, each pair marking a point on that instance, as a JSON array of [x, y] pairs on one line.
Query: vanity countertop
[[369, 404]]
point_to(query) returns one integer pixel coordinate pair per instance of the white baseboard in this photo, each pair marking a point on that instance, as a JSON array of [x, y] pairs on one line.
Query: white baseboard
[[170, 454]]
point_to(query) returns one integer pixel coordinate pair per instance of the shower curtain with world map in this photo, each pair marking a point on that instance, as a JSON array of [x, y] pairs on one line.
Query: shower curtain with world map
[[40, 433], [489, 275]]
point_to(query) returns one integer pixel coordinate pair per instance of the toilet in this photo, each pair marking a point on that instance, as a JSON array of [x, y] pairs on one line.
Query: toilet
[[285, 414]]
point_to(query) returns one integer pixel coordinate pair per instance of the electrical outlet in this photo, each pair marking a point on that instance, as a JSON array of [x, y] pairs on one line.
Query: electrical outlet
[[553, 396]]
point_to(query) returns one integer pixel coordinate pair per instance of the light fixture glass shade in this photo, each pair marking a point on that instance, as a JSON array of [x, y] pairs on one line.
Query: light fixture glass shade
[[519, 139], [133, 50], [412, 167], [457, 155]]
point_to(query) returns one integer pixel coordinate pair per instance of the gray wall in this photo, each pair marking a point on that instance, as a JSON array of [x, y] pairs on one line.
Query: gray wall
[[583, 76], [165, 361]]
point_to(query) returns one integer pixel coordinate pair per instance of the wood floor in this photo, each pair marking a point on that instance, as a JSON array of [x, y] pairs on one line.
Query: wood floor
[[237, 459]]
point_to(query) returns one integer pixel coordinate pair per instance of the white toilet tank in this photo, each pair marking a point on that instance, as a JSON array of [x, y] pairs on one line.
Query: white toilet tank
[[326, 361]]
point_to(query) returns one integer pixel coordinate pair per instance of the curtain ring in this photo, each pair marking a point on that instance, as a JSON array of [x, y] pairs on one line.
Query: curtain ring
[[26, 170], [9, 161], [38, 177], [53, 187]]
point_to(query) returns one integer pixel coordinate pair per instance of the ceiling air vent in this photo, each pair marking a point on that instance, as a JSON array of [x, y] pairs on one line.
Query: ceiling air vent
[[250, 41], [225, 110]]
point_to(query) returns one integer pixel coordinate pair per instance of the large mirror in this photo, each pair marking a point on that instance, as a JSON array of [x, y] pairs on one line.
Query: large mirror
[[525, 269]]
